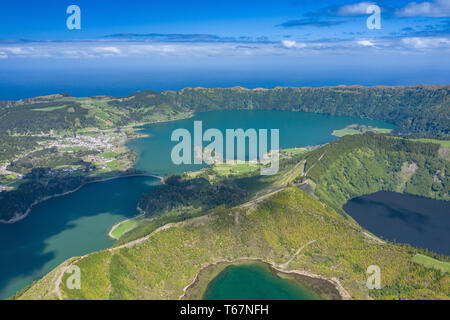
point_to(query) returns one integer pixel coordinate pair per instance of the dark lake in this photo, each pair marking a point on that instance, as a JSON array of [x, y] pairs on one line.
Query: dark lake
[[418, 221]]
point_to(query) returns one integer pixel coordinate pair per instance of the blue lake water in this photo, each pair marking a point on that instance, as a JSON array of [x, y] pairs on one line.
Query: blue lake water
[[64, 227], [297, 129]]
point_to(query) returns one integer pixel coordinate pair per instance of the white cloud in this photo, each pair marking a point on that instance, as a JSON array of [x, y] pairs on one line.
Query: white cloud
[[436, 8], [290, 44], [365, 43], [426, 43], [200, 50], [354, 9], [16, 50], [113, 50]]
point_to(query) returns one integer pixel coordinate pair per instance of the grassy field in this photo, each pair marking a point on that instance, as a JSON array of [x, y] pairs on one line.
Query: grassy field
[[348, 131], [237, 168], [295, 151], [113, 165], [431, 263], [109, 155], [49, 108], [120, 229], [240, 167], [443, 143], [343, 132]]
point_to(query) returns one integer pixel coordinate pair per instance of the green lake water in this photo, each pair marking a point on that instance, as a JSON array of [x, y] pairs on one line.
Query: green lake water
[[78, 223], [297, 129], [254, 282], [64, 227]]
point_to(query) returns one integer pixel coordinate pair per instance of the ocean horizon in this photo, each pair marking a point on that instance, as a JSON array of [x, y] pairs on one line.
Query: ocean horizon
[[19, 84]]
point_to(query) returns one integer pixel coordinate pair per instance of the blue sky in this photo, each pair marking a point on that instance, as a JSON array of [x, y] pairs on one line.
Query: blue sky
[[45, 19], [323, 40]]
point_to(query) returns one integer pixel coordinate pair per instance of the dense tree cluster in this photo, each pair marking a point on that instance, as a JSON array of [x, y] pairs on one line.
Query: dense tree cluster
[[43, 117], [13, 146], [51, 158], [18, 201], [360, 164], [190, 195], [416, 110]]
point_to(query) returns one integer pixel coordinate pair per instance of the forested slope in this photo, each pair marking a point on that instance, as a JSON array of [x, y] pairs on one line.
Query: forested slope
[[360, 164], [13, 146], [416, 110]]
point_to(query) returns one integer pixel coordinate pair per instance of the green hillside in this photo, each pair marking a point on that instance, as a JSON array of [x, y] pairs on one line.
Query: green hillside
[[360, 164], [13, 146], [416, 110], [432, 263], [167, 261], [66, 115]]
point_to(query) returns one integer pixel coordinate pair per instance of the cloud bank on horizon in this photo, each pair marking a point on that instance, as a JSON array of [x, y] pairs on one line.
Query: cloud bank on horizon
[[196, 49], [334, 26]]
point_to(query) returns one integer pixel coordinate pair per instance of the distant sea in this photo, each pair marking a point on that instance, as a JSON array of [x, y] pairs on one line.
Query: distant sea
[[18, 83]]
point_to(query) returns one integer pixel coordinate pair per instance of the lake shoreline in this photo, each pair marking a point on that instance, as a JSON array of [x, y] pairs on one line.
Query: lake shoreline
[[135, 128], [323, 287], [20, 217], [110, 233]]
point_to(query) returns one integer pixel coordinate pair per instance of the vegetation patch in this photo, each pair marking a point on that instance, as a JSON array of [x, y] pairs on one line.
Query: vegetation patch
[[123, 227], [235, 168], [109, 155], [13, 146], [47, 109], [431, 262], [361, 164], [358, 129], [443, 143]]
